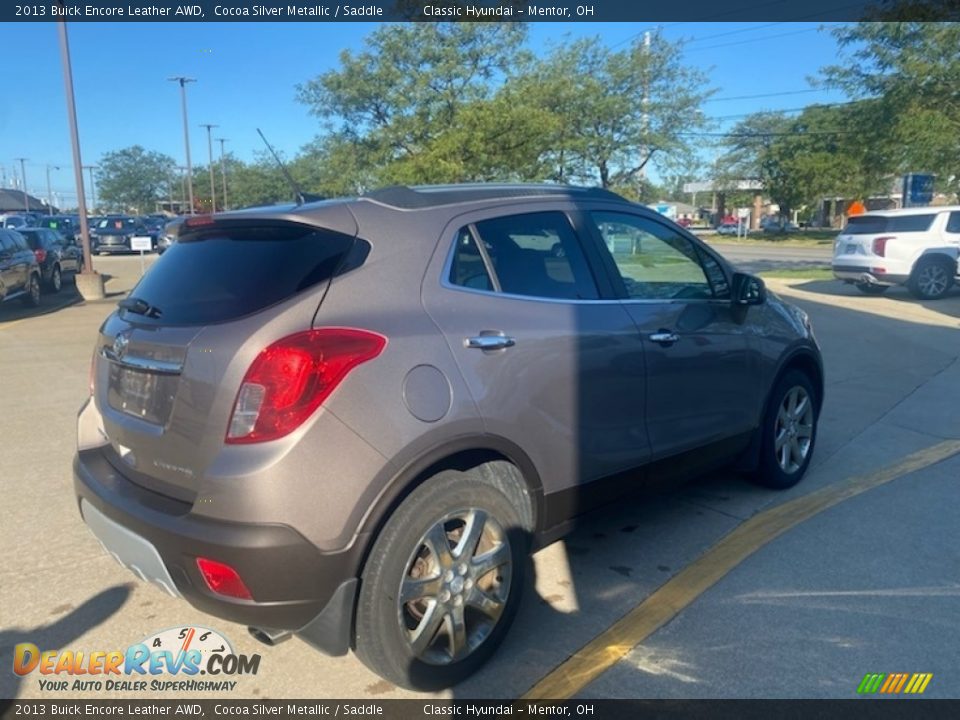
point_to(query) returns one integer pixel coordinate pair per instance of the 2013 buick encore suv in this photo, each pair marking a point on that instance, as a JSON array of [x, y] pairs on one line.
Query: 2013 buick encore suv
[[351, 420]]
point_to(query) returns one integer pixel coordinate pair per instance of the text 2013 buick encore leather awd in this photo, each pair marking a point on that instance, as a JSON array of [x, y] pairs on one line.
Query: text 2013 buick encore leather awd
[[351, 420]]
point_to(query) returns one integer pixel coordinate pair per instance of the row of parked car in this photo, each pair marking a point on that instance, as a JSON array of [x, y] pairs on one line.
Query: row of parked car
[[35, 257], [108, 233]]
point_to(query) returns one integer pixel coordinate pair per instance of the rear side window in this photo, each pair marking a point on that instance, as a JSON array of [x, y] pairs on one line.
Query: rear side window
[[874, 224], [223, 274], [911, 223], [953, 223], [534, 254]]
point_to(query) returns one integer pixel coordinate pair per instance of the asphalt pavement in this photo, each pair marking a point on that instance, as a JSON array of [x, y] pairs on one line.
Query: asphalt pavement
[[868, 585]]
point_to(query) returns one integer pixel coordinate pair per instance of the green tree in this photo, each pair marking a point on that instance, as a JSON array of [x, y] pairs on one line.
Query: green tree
[[618, 111], [910, 71], [133, 179], [423, 103]]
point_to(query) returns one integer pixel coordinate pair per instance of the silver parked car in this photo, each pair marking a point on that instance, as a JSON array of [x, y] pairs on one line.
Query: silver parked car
[[350, 420]]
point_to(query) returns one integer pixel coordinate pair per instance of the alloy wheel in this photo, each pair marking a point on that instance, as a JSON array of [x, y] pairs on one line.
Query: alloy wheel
[[456, 587], [933, 280], [793, 432]]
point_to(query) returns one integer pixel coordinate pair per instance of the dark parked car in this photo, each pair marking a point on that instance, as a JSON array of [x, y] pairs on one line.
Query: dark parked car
[[56, 255], [114, 234], [15, 221], [66, 225], [350, 420], [19, 272]]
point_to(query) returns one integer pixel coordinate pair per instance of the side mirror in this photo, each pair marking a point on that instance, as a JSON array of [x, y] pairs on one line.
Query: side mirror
[[748, 290]]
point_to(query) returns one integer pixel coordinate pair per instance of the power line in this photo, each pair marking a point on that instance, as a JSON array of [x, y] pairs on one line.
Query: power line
[[769, 134], [766, 95]]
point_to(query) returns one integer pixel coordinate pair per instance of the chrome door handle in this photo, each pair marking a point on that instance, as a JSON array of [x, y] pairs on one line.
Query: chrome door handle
[[664, 337], [489, 342]]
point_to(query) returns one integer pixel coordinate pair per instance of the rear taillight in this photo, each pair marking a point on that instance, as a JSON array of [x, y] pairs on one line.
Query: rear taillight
[[222, 579], [290, 379], [880, 245], [41, 255]]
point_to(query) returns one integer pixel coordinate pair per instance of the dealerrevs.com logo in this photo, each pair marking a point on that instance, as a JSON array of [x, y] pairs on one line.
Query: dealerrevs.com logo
[[184, 653]]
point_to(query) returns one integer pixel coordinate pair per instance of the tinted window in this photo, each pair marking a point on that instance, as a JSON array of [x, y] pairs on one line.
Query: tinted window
[[6, 242], [538, 255], [654, 260], [468, 268], [33, 238], [874, 224], [225, 274], [953, 223], [910, 223], [866, 225], [18, 242]]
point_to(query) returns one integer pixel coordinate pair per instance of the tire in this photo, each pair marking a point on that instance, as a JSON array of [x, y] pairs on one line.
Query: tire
[[788, 433], [56, 279], [32, 298], [931, 279], [447, 506], [872, 289]]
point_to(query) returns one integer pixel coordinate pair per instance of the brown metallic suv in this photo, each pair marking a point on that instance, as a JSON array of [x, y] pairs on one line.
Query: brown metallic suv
[[351, 420]]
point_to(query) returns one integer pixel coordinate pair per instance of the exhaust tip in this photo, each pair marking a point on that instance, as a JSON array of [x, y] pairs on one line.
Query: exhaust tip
[[268, 636]]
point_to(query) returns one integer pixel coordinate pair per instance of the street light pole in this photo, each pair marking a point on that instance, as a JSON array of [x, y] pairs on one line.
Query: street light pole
[[223, 171], [183, 187], [93, 189], [50, 194], [213, 187], [186, 131], [77, 162], [23, 178]]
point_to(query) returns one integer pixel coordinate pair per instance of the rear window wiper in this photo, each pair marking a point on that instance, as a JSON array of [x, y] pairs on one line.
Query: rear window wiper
[[140, 307]]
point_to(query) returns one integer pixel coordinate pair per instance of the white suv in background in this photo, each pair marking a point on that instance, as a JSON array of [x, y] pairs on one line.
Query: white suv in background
[[916, 247]]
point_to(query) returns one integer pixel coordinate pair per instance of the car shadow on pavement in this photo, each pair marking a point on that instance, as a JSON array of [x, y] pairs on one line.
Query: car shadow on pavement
[[49, 303], [56, 636], [949, 305]]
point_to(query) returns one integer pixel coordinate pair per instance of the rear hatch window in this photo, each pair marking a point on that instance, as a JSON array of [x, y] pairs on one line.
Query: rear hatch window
[[875, 224], [217, 274]]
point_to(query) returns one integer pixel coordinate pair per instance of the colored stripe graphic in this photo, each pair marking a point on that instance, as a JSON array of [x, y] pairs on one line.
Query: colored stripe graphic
[[894, 683], [870, 683]]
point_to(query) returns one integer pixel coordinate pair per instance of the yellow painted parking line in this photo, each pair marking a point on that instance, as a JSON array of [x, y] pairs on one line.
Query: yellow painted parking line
[[613, 644]]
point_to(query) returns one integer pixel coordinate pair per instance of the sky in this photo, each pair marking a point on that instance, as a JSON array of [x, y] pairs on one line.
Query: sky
[[247, 75]]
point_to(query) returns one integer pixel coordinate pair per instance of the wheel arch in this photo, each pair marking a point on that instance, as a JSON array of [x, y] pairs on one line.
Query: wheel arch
[[504, 464], [806, 361]]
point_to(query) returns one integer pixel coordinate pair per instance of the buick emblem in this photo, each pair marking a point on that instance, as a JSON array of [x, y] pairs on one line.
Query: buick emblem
[[120, 343]]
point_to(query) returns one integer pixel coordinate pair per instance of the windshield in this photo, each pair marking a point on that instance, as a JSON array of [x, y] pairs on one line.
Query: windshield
[[117, 224]]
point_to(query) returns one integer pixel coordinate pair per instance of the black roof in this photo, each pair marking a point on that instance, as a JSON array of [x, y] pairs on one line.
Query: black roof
[[424, 196], [11, 202]]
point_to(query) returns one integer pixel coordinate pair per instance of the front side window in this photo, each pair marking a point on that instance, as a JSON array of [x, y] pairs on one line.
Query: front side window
[[534, 255], [654, 261]]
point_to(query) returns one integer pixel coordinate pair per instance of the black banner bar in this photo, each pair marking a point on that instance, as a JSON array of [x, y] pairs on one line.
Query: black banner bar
[[473, 10], [440, 709]]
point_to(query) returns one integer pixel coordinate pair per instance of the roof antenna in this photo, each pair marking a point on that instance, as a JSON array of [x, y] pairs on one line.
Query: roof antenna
[[300, 196]]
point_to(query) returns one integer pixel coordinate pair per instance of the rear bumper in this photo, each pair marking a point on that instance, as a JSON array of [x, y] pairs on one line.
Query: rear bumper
[[294, 585], [867, 275]]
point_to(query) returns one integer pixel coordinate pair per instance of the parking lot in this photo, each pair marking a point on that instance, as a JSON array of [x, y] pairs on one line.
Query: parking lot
[[860, 578]]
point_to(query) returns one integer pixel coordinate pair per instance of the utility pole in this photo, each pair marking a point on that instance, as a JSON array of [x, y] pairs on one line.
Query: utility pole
[[183, 187], [213, 186], [90, 285], [93, 189], [223, 171], [50, 194], [23, 178], [186, 131]]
